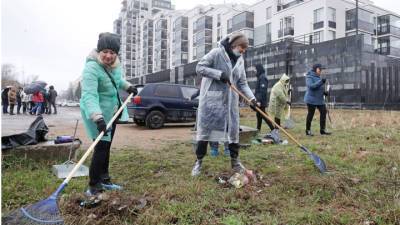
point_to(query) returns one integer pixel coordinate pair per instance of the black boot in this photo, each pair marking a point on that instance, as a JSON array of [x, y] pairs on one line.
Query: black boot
[[237, 166], [324, 132], [308, 133], [12, 110]]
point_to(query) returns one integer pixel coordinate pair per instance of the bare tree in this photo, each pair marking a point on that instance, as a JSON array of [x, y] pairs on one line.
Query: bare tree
[[25, 80], [9, 75], [78, 91]]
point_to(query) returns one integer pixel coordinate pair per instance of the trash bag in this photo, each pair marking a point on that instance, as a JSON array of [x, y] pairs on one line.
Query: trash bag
[[274, 136], [36, 133]]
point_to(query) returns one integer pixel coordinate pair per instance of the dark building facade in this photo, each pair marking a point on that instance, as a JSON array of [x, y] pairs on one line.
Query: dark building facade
[[358, 76]]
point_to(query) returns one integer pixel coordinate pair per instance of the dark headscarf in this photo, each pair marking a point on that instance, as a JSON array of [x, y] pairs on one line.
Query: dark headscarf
[[260, 70]]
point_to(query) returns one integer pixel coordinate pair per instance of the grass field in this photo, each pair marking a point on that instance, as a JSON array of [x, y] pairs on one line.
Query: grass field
[[361, 187]]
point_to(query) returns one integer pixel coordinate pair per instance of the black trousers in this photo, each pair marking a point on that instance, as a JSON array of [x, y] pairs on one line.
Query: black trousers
[[5, 107], [19, 104], [54, 106], [260, 118], [98, 171], [24, 107], [310, 115], [201, 149]]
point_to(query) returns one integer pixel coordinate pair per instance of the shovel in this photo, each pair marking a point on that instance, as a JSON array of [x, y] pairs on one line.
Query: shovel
[[289, 123], [318, 162], [62, 170]]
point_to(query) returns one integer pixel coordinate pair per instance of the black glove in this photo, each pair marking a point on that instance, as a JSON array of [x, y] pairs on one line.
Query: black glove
[[224, 77], [131, 89], [101, 126], [326, 93], [323, 80], [253, 104], [289, 103]]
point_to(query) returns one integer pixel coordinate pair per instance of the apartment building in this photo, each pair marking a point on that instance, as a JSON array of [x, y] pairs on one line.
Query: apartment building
[[155, 37], [135, 26], [315, 21]]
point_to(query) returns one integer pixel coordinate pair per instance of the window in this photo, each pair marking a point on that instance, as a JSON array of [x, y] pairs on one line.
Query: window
[[331, 14], [269, 13], [167, 91], [318, 37], [318, 15], [188, 92]]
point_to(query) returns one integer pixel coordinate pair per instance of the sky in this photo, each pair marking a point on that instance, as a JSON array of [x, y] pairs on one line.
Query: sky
[[51, 38]]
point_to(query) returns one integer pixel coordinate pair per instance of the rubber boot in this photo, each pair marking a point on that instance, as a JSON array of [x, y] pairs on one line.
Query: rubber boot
[[227, 152], [197, 168], [214, 152], [94, 190], [237, 166], [111, 186], [108, 185]]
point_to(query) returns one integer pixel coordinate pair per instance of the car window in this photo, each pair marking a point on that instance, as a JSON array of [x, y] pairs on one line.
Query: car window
[[189, 93], [167, 91]]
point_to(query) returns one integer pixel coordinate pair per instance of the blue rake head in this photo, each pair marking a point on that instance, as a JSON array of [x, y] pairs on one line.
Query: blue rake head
[[318, 162], [43, 212]]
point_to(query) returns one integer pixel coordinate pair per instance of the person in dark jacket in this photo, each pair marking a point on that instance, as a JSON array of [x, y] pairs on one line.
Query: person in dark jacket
[[4, 99], [314, 98], [19, 100], [52, 99], [261, 93]]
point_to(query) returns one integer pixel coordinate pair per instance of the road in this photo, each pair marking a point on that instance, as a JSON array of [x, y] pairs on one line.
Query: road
[[127, 135]]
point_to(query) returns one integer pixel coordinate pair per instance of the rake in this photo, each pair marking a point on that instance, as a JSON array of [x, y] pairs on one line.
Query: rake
[[318, 162], [46, 211]]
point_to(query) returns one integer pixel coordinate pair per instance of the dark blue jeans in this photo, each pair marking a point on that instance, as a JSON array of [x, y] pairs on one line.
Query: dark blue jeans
[[37, 109]]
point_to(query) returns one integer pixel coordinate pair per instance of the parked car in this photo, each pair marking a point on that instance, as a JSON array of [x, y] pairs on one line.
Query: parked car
[[159, 103], [69, 104]]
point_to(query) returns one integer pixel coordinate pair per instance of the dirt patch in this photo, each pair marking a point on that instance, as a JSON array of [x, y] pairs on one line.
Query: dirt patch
[[108, 208]]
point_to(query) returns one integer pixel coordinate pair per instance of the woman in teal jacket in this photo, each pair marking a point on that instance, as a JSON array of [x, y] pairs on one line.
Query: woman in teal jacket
[[101, 80]]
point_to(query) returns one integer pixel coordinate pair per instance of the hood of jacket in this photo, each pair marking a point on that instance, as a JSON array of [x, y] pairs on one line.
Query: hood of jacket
[[224, 43], [284, 79], [259, 70], [311, 73], [95, 56]]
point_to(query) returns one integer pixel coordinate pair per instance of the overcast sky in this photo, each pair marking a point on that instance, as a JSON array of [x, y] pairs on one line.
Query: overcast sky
[[51, 38]]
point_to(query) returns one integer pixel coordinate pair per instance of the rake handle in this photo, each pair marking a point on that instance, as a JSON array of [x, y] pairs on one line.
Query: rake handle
[[90, 149], [264, 114]]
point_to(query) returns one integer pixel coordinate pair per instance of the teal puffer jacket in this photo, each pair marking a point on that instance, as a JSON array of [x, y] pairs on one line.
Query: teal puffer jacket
[[99, 96]]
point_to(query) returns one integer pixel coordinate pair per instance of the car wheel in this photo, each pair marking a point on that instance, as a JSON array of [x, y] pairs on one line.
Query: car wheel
[[155, 120], [139, 122]]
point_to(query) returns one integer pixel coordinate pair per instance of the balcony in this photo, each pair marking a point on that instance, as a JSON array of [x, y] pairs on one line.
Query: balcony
[[384, 29], [318, 25], [288, 31], [332, 24]]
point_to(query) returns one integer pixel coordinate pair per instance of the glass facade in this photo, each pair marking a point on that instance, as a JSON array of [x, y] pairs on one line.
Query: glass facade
[[180, 41], [243, 20], [365, 21], [160, 45], [202, 37], [262, 34]]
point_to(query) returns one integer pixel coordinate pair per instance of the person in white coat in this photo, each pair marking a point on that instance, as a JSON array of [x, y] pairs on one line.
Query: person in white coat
[[218, 111]]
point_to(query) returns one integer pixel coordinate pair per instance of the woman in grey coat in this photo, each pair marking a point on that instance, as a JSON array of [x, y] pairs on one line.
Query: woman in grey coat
[[218, 111]]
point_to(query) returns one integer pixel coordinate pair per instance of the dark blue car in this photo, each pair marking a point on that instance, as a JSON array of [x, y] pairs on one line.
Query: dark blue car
[[159, 103]]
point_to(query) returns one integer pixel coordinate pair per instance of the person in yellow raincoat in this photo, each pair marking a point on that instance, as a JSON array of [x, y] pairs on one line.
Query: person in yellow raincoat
[[279, 101]]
